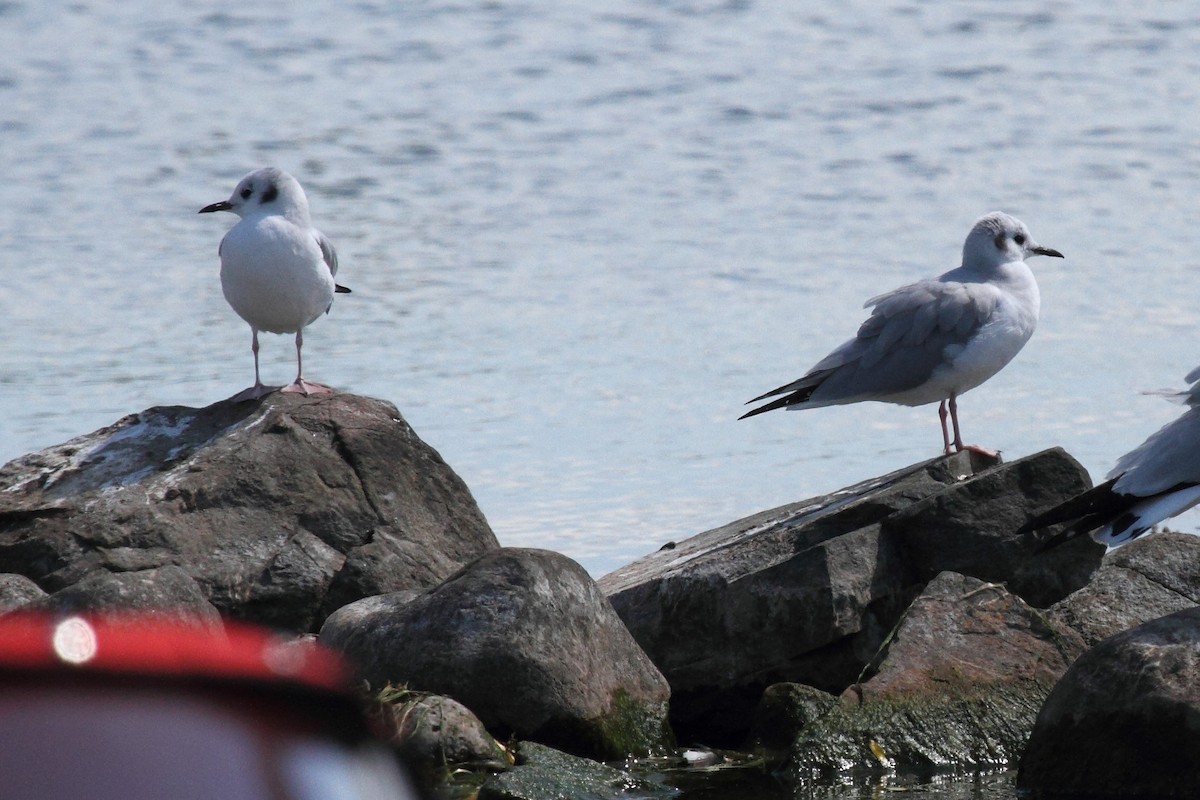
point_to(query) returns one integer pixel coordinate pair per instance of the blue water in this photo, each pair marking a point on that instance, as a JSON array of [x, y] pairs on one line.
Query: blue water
[[580, 235]]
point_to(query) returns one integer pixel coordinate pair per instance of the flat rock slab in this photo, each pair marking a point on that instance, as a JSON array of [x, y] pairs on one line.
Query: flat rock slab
[[808, 592], [281, 510], [1124, 721]]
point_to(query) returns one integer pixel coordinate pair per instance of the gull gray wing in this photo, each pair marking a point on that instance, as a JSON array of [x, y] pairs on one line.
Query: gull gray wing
[[331, 261], [1170, 458], [911, 332], [327, 251]]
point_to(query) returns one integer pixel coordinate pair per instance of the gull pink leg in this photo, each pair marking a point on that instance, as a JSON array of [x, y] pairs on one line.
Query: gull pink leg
[[945, 432], [257, 390], [301, 386], [254, 349], [958, 445]]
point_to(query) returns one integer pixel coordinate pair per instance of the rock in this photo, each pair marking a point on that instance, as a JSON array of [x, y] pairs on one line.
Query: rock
[[17, 591], [1150, 577], [167, 591], [434, 733], [546, 774], [971, 529], [1124, 721], [959, 684], [806, 593], [784, 710], [523, 638], [281, 510]]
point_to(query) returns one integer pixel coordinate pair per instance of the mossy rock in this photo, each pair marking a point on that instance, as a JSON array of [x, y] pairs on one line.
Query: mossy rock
[[543, 773]]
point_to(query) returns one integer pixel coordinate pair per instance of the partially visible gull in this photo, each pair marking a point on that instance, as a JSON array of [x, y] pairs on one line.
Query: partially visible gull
[[1160, 478]]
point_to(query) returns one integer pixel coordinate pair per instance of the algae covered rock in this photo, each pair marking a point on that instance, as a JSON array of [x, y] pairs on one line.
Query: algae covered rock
[[784, 710], [959, 684], [546, 774]]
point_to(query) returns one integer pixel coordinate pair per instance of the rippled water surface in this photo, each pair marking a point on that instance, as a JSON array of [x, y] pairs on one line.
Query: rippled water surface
[[580, 235]]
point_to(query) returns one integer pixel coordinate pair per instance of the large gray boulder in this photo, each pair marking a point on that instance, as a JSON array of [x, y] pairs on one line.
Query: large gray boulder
[[808, 592], [523, 638], [280, 510], [1124, 721], [958, 684]]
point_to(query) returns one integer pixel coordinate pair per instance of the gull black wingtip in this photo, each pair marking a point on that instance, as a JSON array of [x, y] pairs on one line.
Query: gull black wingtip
[[780, 403], [1081, 514], [752, 413], [220, 206]]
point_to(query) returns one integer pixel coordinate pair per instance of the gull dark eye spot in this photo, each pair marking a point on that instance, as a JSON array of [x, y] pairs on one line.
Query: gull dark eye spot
[[246, 193], [999, 240], [1019, 239], [270, 194]]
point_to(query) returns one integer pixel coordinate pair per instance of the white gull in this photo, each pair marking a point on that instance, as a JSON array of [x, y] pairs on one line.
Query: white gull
[[276, 269], [935, 339]]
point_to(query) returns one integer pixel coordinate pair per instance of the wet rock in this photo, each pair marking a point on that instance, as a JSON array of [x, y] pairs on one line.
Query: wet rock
[[523, 638], [1148, 578], [546, 774], [784, 710], [281, 510], [808, 592], [1124, 721], [959, 684], [435, 733]]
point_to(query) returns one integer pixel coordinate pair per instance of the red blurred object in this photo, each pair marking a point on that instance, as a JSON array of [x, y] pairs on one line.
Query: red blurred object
[[164, 647], [126, 707]]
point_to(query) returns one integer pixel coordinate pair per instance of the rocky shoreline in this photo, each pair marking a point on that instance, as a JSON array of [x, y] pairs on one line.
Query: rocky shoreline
[[896, 625]]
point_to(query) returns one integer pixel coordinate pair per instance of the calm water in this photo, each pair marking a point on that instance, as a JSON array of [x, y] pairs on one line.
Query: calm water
[[580, 235]]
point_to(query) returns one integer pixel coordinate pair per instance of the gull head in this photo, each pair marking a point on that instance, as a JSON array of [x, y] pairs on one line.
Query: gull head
[[265, 191], [997, 238]]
